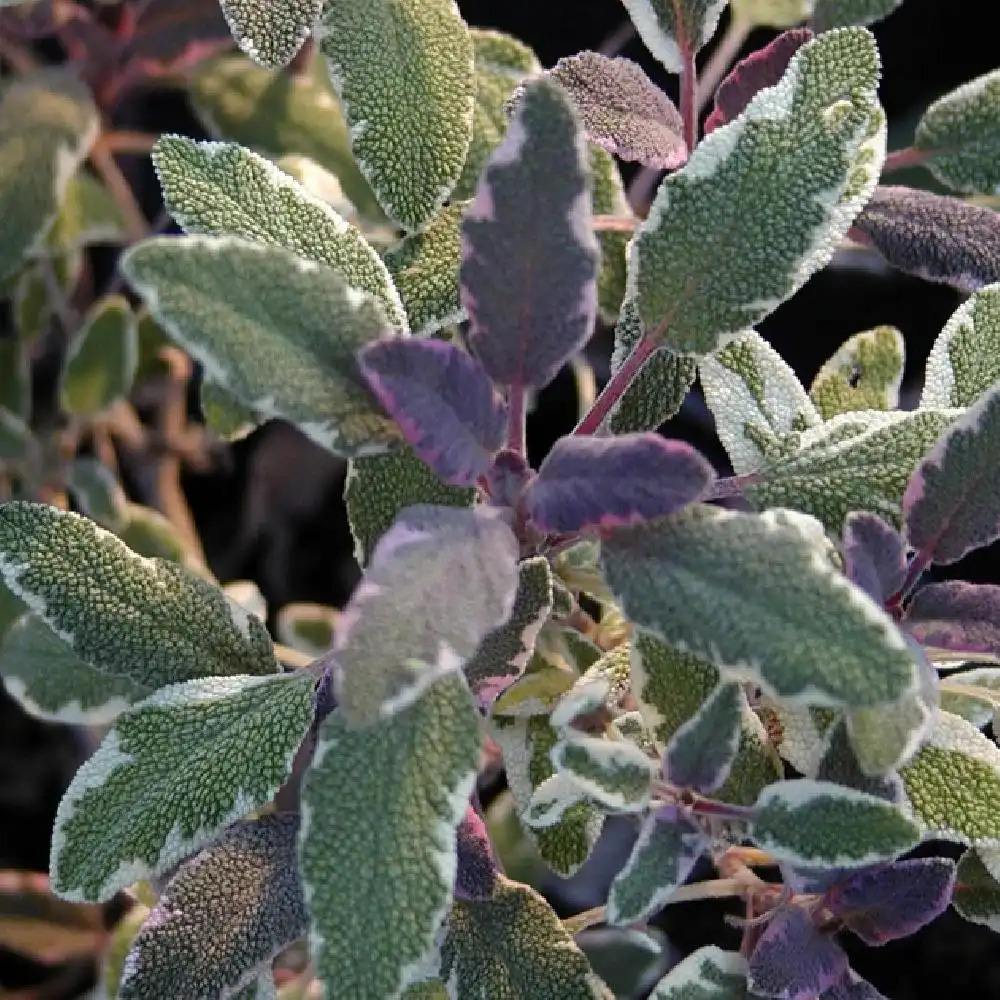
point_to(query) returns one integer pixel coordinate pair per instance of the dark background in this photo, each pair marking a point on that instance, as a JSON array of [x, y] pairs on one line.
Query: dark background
[[270, 507]]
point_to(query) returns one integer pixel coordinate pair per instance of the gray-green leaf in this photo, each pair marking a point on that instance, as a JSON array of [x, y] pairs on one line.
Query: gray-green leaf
[[271, 31], [863, 374], [673, 30]]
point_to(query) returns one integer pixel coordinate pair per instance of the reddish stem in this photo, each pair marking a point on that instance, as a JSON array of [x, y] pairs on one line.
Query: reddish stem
[[516, 420], [614, 224], [615, 389], [689, 100], [734, 486], [900, 159], [920, 561]]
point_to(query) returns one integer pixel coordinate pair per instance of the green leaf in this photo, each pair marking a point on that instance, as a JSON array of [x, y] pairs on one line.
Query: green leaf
[[221, 189], [501, 63], [278, 113], [671, 29], [514, 946], [16, 440], [702, 751], [977, 893], [97, 493], [378, 855], [102, 359], [864, 374], [271, 31], [884, 736], [44, 676], [698, 283], [756, 399], [965, 359], [88, 214], [755, 766], [277, 332], [15, 376], [11, 608], [816, 823], [48, 123], [404, 71], [757, 593], [148, 533], [855, 461], [609, 199], [961, 132], [708, 974], [982, 701], [771, 13], [659, 388], [953, 783], [615, 773], [504, 653], [145, 619], [172, 774], [440, 580], [223, 416], [378, 487], [309, 628], [829, 14], [425, 268]]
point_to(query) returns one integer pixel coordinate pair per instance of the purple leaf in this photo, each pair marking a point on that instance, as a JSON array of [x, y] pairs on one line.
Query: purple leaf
[[932, 236], [529, 256], [507, 477], [853, 987], [956, 615], [622, 110], [875, 555], [476, 874], [793, 960], [599, 482], [890, 902], [952, 501], [760, 69], [443, 401]]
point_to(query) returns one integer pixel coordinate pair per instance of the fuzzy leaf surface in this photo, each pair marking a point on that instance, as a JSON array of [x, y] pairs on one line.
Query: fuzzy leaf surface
[[47, 125], [622, 110], [932, 236], [965, 359], [874, 555], [528, 229], [961, 131], [708, 974], [271, 31], [443, 401], [223, 916], [420, 767], [829, 14], [48, 680], [440, 580], [760, 69], [405, 74], [145, 619], [172, 774], [614, 773], [701, 752], [864, 373], [822, 122], [476, 872], [756, 400], [222, 189], [956, 615], [977, 894], [277, 332], [669, 29], [839, 764], [721, 583], [952, 501], [588, 482]]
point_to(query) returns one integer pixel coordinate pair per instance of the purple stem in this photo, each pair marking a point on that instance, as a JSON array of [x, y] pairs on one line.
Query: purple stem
[[615, 389], [734, 486], [515, 419], [689, 100]]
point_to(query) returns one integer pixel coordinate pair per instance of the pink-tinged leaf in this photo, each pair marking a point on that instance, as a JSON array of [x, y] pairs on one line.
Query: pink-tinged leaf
[[622, 110], [793, 960], [760, 69], [875, 555], [529, 256], [955, 615], [600, 482], [508, 476], [952, 501], [932, 236], [442, 400], [886, 903], [853, 987], [476, 872], [170, 36]]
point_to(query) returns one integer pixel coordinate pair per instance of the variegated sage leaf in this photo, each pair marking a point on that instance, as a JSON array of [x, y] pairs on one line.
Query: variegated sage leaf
[[674, 31], [221, 189], [861, 460], [829, 14], [277, 332], [756, 399], [708, 974], [48, 680], [839, 763], [145, 619], [440, 580], [977, 892], [722, 584], [701, 752], [172, 774], [614, 773], [48, 122], [378, 857], [243, 894], [874, 555], [952, 502], [864, 374], [965, 359], [529, 259], [961, 134], [830, 147], [271, 31], [404, 71]]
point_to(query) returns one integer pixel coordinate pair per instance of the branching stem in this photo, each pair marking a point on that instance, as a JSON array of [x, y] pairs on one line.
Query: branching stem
[[616, 387]]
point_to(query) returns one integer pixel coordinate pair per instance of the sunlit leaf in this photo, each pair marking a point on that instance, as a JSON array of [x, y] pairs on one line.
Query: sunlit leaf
[[771, 13], [864, 373], [271, 31]]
